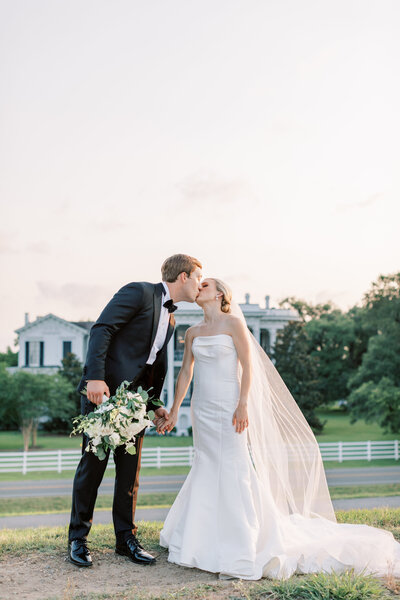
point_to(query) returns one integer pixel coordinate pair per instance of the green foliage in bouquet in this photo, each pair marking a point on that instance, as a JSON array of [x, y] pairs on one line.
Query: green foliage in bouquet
[[116, 421]]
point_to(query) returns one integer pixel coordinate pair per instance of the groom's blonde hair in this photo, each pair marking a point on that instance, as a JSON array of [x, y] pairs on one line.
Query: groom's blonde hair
[[173, 266]]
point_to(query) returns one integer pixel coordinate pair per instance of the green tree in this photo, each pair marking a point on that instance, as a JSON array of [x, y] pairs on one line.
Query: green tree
[[306, 310], [9, 358], [5, 381], [298, 368], [330, 337], [382, 303], [375, 386], [379, 373], [33, 396], [377, 403], [362, 332], [71, 371], [331, 341]]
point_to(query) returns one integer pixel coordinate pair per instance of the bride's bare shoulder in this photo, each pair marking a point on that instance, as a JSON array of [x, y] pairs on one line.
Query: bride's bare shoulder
[[233, 320], [234, 323], [192, 331]]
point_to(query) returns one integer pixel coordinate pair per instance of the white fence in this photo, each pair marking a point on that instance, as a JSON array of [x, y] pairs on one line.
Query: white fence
[[341, 451], [67, 460]]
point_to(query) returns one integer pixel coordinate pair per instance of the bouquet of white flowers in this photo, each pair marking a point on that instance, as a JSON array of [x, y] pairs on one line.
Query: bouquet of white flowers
[[116, 421]]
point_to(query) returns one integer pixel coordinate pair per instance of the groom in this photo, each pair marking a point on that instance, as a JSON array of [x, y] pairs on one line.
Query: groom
[[127, 342]]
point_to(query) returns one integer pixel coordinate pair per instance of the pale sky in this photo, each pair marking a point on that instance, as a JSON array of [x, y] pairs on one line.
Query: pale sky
[[260, 136]]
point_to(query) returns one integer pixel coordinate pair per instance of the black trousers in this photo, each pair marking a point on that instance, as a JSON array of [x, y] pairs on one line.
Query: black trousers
[[88, 477]]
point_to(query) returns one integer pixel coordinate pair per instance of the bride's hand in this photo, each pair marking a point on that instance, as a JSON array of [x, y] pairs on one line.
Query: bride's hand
[[159, 423], [170, 424], [240, 418]]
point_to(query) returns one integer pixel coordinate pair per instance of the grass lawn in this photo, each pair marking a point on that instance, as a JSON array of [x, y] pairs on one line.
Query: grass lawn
[[56, 504], [339, 429], [352, 464], [11, 441], [102, 536]]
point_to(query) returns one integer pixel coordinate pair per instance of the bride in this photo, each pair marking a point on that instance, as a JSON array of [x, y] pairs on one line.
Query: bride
[[256, 502]]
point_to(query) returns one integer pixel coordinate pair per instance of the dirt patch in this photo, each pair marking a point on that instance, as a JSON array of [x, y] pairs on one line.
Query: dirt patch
[[43, 576], [39, 576]]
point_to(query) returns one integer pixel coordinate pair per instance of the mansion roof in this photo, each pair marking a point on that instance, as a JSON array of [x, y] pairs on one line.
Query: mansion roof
[[83, 326]]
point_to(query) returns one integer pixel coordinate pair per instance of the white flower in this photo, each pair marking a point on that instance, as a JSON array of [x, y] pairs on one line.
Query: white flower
[[106, 406], [113, 420], [93, 429], [115, 438], [106, 430], [134, 428], [140, 412]]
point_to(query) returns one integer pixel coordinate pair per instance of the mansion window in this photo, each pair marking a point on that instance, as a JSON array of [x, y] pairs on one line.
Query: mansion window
[[265, 340], [34, 354], [179, 341], [67, 348]]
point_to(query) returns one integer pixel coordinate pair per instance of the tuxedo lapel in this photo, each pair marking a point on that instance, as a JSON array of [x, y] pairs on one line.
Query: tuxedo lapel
[[157, 297], [171, 326], [170, 330]]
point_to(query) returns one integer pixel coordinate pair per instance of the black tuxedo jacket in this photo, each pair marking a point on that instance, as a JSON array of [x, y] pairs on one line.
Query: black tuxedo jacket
[[122, 337]]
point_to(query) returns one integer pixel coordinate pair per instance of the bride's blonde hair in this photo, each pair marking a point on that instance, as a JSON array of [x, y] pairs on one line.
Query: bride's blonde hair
[[226, 295]]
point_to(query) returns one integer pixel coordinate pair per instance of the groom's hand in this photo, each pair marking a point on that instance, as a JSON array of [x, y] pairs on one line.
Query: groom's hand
[[161, 416], [96, 390], [170, 424]]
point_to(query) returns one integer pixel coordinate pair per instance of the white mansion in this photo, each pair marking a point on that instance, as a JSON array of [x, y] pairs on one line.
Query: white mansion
[[45, 342]]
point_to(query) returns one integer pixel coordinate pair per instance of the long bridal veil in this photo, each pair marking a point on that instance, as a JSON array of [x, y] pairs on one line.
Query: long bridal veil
[[298, 531], [282, 446]]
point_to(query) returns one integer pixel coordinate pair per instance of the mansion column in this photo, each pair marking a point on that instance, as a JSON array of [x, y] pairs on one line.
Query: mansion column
[[256, 331], [272, 337]]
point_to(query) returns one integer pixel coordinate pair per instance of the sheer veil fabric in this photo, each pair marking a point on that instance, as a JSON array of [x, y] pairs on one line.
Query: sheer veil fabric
[[283, 448]]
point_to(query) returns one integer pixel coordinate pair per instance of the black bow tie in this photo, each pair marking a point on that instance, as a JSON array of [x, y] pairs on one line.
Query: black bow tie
[[169, 304]]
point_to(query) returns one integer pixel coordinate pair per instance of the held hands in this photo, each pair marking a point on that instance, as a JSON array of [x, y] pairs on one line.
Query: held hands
[[96, 390], [169, 424], [160, 419], [240, 418]]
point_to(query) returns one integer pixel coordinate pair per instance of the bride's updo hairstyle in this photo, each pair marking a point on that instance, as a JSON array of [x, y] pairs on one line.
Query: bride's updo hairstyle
[[226, 292]]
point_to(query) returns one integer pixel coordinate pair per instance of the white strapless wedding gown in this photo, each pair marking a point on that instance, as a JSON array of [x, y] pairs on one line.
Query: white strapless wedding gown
[[220, 521]]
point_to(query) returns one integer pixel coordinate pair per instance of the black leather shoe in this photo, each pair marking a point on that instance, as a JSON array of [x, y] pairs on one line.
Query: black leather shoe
[[135, 551], [78, 553]]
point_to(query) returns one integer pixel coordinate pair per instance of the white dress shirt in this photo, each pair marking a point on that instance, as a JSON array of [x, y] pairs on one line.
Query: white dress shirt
[[162, 327]]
